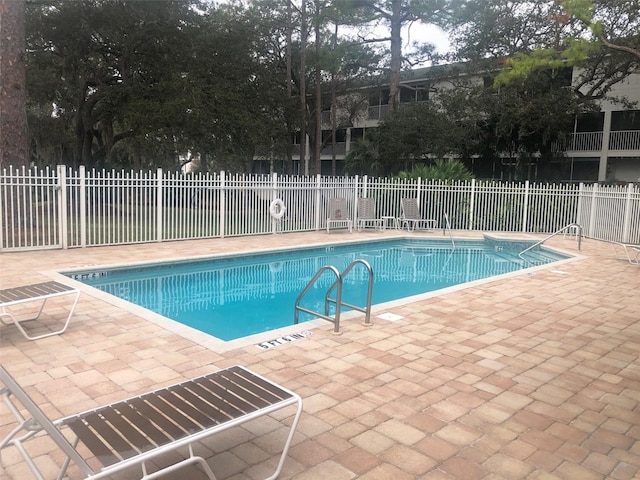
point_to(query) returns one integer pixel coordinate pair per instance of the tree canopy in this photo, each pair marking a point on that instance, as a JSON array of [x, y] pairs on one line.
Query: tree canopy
[[120, 83]]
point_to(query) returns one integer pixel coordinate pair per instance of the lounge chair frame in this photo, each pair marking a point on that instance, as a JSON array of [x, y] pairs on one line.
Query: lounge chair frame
[[367, 214], [339, 214], [33, 293], [411, 217], [133, 432], [626, 251]]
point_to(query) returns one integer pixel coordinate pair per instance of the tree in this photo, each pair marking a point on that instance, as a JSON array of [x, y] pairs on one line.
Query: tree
[[144, 84], [599, 37], [394, 15], [339, 65], [107, 70], [13, 96]]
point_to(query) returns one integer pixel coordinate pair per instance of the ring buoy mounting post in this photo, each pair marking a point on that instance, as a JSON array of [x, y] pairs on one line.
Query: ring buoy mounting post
[[277, 209]]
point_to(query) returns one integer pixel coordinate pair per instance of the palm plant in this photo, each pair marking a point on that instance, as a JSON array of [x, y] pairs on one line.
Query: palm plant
[[444, 170]]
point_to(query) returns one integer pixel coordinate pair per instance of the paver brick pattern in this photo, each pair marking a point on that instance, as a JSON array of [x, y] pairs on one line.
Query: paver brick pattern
[[528, 377]]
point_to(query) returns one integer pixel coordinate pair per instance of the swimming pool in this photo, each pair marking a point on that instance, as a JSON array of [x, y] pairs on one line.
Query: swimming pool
[[230, 297]]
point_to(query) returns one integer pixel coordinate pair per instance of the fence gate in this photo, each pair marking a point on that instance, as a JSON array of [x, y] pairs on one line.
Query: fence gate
[[32, 210]]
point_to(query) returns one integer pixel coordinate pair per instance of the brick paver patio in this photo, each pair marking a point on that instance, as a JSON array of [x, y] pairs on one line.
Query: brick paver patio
[[536, 376]]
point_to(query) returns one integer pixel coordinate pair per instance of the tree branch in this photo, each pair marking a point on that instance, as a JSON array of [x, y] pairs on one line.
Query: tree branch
[[620, 48]]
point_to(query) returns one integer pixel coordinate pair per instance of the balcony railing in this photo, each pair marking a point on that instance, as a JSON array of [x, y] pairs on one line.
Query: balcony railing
[[585, 142], [624, 140], [592, 141]]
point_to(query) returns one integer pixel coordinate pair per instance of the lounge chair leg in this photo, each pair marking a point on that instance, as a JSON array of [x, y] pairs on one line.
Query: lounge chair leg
[[191, 460], [51, 293], [287, 444]]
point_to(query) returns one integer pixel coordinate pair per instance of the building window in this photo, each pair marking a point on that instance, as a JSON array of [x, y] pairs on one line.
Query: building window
[[341, 135], [414, 93], [590, 122], [380, 97], [625, 120]]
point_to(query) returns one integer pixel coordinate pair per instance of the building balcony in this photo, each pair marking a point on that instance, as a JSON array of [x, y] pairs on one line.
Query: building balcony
[[621, 140]]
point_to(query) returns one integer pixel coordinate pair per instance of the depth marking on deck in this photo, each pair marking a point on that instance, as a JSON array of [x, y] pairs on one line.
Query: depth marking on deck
[[283, 340]]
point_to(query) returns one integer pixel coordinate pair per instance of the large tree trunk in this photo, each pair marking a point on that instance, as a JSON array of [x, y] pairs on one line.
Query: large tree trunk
[[396, 54], [303, 87], [14, 135], [289, 160], [318, 77]]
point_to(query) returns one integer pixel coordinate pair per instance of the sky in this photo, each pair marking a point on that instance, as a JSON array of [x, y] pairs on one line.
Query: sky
[[426, 33]]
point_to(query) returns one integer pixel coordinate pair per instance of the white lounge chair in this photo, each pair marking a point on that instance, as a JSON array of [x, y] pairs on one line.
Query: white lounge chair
[[339, 214], [626, 251], [154, 426], [11, 297], [367, 214], [412, 218]]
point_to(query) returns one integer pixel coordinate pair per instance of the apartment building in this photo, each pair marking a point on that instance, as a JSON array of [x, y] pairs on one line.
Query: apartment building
[[604, 146]]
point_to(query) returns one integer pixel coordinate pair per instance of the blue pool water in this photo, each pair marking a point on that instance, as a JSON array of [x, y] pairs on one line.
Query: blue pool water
[[235, 296]]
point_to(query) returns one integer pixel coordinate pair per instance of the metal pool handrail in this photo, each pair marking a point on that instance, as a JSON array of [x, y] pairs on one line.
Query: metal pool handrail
[[563, 229], [326, 316], [367, 309], [447, 226], [338, 301]]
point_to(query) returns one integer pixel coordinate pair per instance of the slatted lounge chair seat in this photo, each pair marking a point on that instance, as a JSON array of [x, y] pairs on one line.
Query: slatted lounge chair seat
[[139, 430], [412, 218], [338, 214], [33, 293], [367, 214]]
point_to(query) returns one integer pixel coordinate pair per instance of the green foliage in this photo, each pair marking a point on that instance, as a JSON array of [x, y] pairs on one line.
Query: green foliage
[[132, 84], [599, 36], [364, 157], [416, 131], [443, 170]]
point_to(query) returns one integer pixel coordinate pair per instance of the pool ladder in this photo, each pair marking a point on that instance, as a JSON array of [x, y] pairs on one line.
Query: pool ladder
[[337, 285]]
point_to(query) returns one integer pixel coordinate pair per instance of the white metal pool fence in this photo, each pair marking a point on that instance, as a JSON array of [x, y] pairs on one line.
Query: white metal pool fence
[[66, 208]]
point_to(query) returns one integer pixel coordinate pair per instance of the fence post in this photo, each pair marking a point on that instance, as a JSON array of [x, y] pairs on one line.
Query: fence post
[[592, 216], [318, 184], [159, 203], [418, 190], [223, 203], [274, 195], [62, 206], [578, 218], [525, 212], [356, 183], [472, 204], [82, 187], [626, 226]]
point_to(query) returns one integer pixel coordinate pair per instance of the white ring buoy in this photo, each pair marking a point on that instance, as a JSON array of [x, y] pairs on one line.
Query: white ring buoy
[[277, 209]]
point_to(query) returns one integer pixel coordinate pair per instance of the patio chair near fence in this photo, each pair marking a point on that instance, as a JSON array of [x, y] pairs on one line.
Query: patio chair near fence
[[338, 214], [148, 430], [626, 251], [367, 214], [37, 292], [412, 218]]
